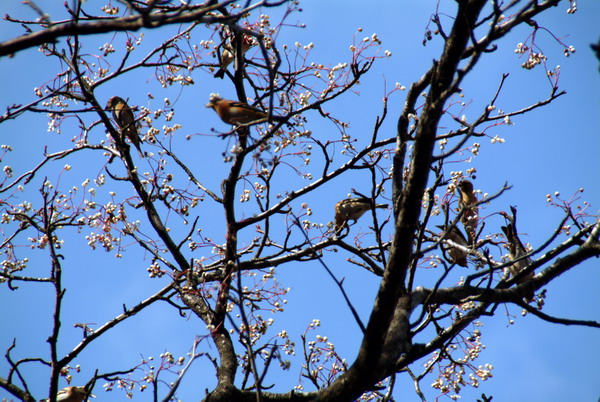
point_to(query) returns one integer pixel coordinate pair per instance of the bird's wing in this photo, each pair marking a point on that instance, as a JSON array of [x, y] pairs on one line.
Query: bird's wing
[[244, 106], [456, 231], [63, 395], [127, 117]]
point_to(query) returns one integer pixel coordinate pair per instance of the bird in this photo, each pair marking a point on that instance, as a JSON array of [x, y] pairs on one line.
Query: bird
[[236, 113], [352, 208], [516, 250], [71, 394], [228, 54], [125, 119], [470, 217], [457, 255]]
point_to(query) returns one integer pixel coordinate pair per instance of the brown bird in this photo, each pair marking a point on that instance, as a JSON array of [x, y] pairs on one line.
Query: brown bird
[[125, 119], [352, 208], [455, 254], [516, 250], [236, 113], [228, 54], [470, 217], [72, 394]]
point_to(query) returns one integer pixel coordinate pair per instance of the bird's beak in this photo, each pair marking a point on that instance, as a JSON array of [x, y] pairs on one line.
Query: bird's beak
[[209, 105]]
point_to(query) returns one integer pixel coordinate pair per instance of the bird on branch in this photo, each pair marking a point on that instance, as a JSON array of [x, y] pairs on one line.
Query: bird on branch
[[229, 52], [125, 119], [516, 250], [352, 209], [470, 217], [71, 394], [455, 254], [238, 113]]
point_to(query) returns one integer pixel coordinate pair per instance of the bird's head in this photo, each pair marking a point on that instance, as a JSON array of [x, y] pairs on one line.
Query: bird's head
[[213, 101], [113, 102], [465, 186]]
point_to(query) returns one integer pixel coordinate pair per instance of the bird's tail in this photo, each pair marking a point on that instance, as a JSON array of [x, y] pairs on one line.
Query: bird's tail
[[139, 149], [220, 73]]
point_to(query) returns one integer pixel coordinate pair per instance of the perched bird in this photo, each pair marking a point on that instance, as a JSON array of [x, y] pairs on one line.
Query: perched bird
[[72, 394], [228, 54], [457, 255], [236, 113], [516, 250], [125, 119], [470, 217], [352, 208]]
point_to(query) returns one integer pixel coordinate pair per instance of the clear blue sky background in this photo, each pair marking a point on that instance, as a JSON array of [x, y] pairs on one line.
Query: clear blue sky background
[[551, 149]]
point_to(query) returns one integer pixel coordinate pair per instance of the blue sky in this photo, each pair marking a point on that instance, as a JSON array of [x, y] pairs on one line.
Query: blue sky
[[551, 149]]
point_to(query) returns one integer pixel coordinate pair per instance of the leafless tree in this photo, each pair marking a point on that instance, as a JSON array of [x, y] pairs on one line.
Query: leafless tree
[[226, 285]]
